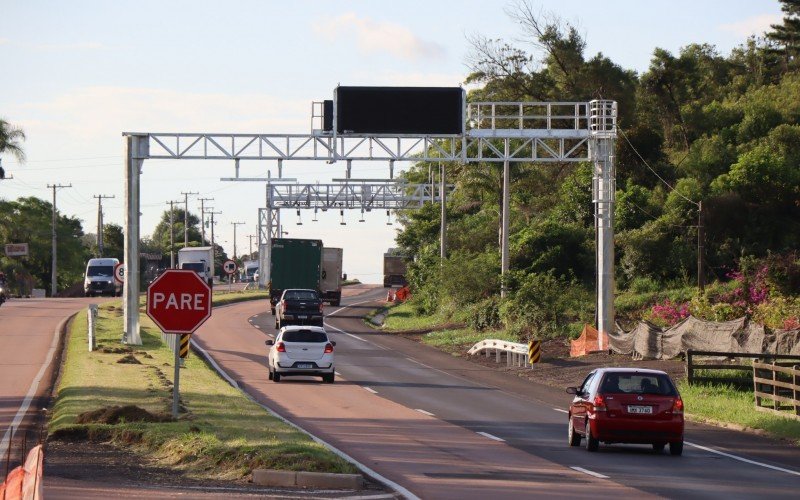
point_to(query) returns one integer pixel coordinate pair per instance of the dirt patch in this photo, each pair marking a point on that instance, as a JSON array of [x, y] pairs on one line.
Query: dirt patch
[[130, 359], [113, 350], [115, 414]]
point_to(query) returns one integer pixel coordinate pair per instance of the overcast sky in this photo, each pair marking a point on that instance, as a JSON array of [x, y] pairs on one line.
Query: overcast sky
[[76, 74]]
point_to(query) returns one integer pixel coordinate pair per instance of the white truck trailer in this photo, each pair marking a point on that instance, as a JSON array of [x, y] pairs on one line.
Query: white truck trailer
[[331, 282], [199, 260]]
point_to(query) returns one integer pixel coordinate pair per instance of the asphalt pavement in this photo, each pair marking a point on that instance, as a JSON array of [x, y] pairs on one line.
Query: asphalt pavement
[[437, 426]]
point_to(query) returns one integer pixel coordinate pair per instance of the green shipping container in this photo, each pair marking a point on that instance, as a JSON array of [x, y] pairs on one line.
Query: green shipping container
[[296, 263]]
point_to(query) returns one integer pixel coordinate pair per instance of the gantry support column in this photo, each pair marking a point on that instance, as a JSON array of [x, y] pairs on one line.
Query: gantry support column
[[504, 227], [602, 126], [443, 222], [136, 150]]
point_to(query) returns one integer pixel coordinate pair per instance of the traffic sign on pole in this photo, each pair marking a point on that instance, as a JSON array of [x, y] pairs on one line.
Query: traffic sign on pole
[[229, 267], [119, 272], [179, 301]]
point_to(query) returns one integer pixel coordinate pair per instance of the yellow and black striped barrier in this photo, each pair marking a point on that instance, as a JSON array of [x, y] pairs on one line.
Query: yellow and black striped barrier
[[184, 352], [534, 351]]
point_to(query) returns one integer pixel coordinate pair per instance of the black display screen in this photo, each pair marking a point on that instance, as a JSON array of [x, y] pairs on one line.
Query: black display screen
[[400, 110]]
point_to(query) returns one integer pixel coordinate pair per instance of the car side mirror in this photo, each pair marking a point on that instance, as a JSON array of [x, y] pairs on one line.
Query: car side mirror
[[573, 390], [269, 342], [333, 343]]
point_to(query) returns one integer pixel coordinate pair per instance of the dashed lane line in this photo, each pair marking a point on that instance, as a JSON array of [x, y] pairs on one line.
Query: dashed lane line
[[490, 436], [369, 389], [425, 412], [560, 410], [590, 472]]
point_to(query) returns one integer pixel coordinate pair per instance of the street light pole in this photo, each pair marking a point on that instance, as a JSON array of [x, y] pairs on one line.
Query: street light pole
[[53, 276], [186, 217]]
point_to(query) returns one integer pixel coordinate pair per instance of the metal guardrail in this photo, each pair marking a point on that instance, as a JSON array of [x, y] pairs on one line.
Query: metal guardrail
[[515, 354]]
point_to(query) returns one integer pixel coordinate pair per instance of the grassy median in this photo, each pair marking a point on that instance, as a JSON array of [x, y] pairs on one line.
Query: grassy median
[[220, 434]]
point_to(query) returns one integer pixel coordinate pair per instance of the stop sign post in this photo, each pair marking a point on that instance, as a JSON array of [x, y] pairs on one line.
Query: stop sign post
[[178, 301]]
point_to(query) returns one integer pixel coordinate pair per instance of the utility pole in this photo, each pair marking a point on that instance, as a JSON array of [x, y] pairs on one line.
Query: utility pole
[[203, 219], [100, 198], [186, 218], [234, 224], [213, 246], [250, 237], [701, 247], [172, 233], [53, 279]]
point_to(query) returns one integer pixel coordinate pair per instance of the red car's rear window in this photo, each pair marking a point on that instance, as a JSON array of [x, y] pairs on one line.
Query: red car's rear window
[[637, 383]]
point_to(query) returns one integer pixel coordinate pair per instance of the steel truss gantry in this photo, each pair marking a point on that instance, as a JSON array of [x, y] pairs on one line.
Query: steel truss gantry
[[526, 132]]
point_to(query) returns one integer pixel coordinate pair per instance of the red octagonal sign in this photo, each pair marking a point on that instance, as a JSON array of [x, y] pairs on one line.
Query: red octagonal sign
[[179, 301]]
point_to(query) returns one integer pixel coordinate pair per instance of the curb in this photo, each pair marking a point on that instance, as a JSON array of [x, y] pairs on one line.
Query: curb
[[284, 478]]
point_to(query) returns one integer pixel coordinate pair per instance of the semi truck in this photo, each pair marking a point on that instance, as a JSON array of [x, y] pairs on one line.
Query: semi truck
[[394, 269], [199, 260], [249, 268], [331, 278], [294, 263]]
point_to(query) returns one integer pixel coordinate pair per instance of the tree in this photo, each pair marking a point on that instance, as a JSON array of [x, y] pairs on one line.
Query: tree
[[10, 137], [787, 35], [161, 234]]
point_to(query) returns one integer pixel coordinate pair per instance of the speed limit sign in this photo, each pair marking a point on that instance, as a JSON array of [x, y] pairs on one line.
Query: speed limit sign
[[229, 267], [119, 272]]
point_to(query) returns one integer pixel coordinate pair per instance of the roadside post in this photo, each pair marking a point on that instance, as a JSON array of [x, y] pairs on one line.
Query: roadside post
[[91, 314], [119, 277], [230, 268], [178, 301], [534, 352]]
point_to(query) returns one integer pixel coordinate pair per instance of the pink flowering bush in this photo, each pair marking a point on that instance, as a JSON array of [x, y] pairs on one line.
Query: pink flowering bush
[[668, 313]]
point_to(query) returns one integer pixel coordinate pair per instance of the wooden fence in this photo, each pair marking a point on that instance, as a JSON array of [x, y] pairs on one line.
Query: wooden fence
[[693, 364], [778, 384]]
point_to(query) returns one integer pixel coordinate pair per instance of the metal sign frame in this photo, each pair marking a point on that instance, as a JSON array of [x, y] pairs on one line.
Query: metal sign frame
[[555, 132]]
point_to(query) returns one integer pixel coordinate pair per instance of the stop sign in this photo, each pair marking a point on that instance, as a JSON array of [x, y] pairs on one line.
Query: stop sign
[[179, 301]]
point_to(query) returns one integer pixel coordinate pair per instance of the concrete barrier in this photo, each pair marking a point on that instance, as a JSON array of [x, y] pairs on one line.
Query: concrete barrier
[[283, 478]]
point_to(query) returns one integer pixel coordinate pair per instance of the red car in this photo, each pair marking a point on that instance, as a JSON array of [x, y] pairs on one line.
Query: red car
[[626, 405]]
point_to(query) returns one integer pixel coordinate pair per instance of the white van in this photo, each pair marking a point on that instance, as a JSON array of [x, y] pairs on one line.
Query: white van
[[99, 278]]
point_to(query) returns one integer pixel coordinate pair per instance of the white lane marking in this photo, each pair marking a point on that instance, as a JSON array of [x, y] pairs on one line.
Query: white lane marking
[[559, 409], [425, 412], [26, 403], [591, 473], [396, 487], [486, 434], [373, 391], [257, 326], [742, 459], [337, 374], [348, 334], [350, 305]]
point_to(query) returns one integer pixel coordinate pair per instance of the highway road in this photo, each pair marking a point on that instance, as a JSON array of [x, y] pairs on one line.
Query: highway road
[[442, 427], [29, 350]]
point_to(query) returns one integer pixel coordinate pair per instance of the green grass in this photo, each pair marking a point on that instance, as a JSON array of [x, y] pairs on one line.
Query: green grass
[[233, 297], [460, 340], [222, 435], [735, 404], [402, 317]]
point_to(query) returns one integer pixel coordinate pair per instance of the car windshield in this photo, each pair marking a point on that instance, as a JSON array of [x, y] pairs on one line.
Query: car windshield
[[637, 383], [100, 271], [193, 266], [304, 336], [300, 295]]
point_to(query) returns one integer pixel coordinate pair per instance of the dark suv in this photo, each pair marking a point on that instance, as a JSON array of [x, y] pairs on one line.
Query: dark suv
[[298, 306]]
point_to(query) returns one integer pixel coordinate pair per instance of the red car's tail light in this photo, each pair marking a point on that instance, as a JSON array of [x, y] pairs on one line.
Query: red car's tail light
[[599, 403], [328, 348], [280, 347], [677, 406]]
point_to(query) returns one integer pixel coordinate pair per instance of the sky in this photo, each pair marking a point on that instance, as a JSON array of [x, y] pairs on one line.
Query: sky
[[75, 75]]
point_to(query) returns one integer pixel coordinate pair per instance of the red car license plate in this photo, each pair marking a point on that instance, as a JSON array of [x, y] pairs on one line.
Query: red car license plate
[[642, 410]]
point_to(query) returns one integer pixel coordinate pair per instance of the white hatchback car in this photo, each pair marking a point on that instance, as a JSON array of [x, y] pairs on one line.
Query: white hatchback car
[[301, 350]]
